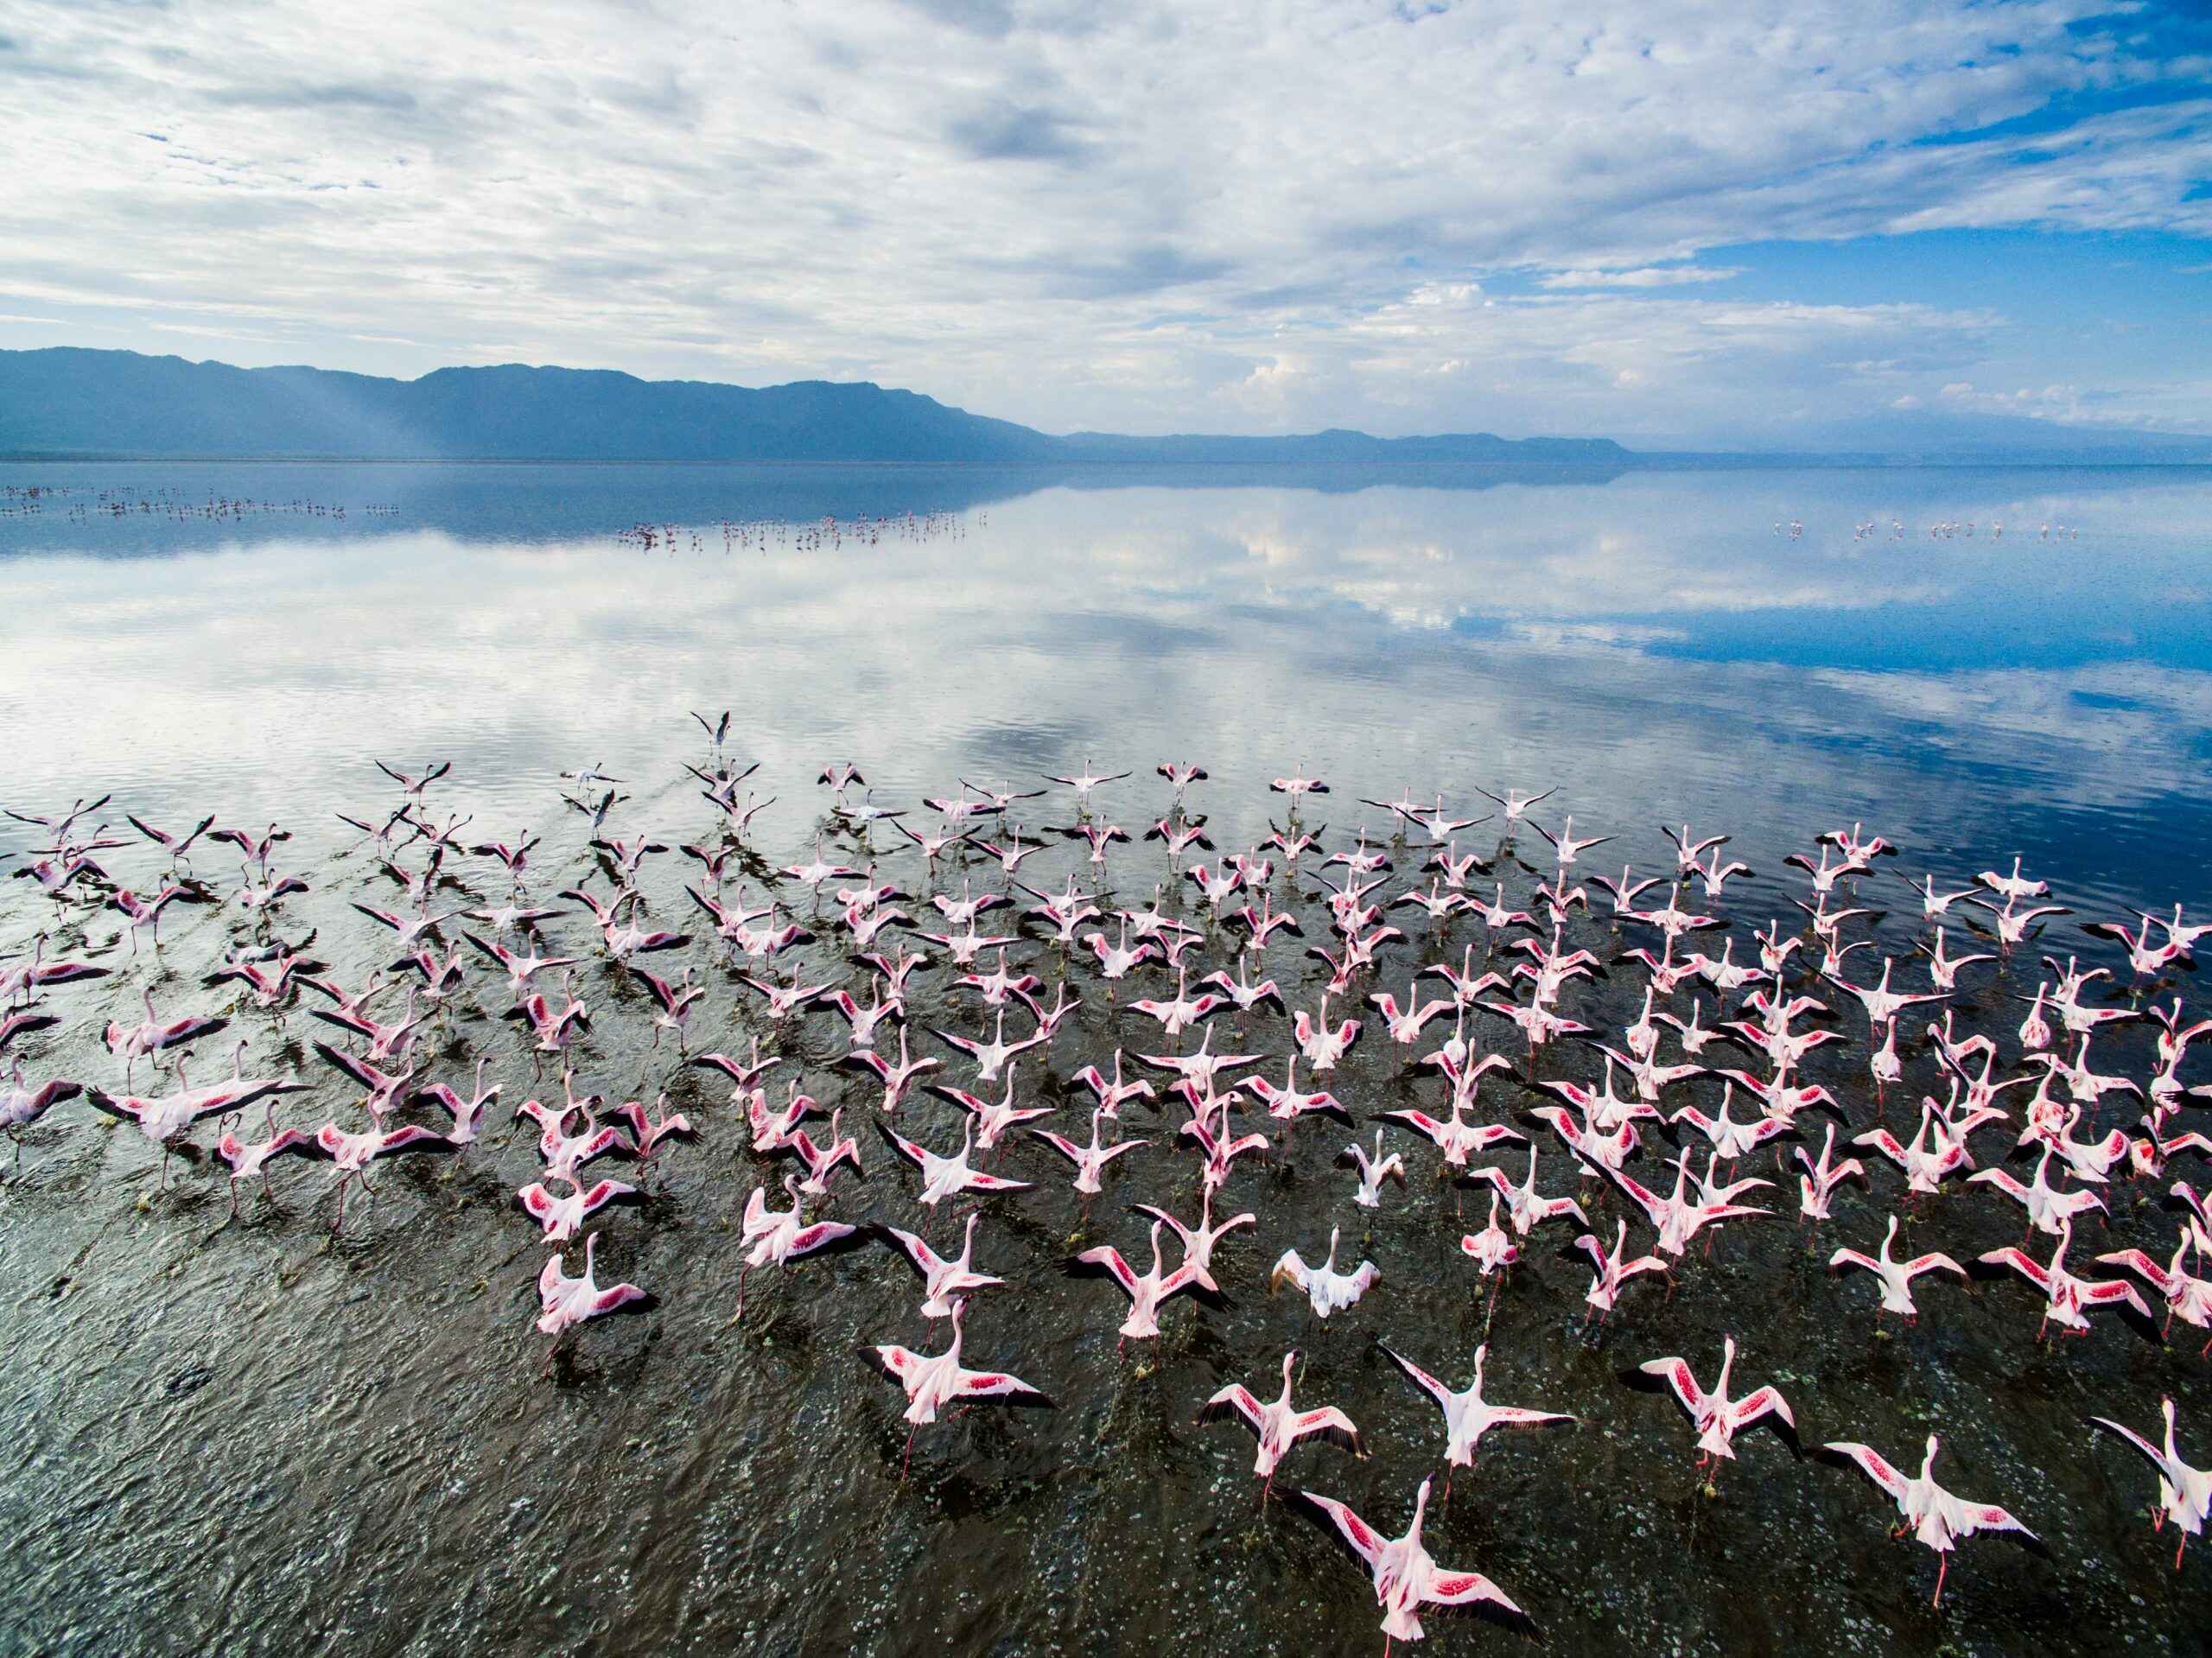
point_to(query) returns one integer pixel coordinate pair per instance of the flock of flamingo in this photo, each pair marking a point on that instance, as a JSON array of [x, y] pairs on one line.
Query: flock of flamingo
[[474, 927]]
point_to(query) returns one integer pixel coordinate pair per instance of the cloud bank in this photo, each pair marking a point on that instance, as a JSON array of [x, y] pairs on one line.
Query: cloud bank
[[1416, 217]]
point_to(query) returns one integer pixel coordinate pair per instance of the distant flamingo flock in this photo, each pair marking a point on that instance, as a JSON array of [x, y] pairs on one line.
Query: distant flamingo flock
[[1638, 1143]]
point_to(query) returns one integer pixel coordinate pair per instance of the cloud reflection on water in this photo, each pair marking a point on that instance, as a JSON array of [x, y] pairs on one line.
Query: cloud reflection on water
[[1651, 644]]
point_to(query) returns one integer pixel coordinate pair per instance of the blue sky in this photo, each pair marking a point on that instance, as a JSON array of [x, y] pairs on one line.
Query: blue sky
[[1669, 221]]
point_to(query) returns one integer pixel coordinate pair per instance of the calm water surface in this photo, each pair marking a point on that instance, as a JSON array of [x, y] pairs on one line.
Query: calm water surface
[[241, 1436]]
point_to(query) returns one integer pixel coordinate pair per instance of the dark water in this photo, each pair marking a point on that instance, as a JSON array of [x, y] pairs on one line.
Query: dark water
[[247, 1436]]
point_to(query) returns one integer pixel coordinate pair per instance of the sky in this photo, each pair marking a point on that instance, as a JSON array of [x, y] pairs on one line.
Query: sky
[[1669, 221]]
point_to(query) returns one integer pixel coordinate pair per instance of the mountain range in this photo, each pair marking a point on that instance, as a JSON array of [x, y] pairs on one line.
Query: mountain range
[[75, 402]]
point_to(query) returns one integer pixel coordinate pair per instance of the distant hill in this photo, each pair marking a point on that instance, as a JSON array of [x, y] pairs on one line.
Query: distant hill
[[67, 401], [1954, 435]]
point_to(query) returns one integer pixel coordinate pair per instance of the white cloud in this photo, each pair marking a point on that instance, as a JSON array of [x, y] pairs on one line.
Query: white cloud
[[1641, 276]]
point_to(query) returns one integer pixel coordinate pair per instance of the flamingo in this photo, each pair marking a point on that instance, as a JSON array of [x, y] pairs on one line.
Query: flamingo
[[1112, 1096], [1816, 1187], [947, 1176], [165, 1120], [2185, 1294], [2067, 1299], [992, 1119], [2184, 1493], [1528, 1209], [991, 1057], [1090, 1160], [1467, 1415], [1492, 1250], [781, 1236], [467, 1115], [1896, 1276], [1677, 1216], [1148, 1292], [1326, 1288], [1373, 1170], [1613, 1268], [2047, 1207], [566, 1302], [1406, 1577], [1322, 1044], [353, 1153], [1935, 1517], [933, 1380], [562, 1218], [896, 1079], [1198, 1241], [1717, 1418], [946, 1281], [246, 1161], [130, 1043], [821, 1161], [1280, 1424]]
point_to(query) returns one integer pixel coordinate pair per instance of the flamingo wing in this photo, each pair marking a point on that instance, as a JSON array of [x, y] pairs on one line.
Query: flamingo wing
[[898, 1360], [1354, 1530], [2149, 1270], [2108, 1290], [991, 1384], [1060, 1143], [1677, 1375], [1237, 1397], [2158, 1459], [1420, 1378], [1872, 1465], [1291, 1266], [1653, 1209], [1753, 1406], [810, 1238], [1420, 1122], [2010, 1256], [1166, 1220], [1465, 1588], [539, 1204], [905, 1148], [616, 1295], [1966, 1517], [1107, 1256], [1327, 1420]]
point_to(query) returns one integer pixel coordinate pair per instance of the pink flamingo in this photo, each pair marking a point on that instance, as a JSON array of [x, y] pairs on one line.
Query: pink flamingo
[[780, 1235], [1406, 1577], [1280, 1424], [1146, 1293], [934, 1380], [2184, 1493], [566, 1302], [1198, 1241], [946, 1281], [1717, 1418], [1934, 1516]]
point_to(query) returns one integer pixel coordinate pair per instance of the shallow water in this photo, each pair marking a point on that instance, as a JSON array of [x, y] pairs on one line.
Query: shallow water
[[244, 1436]]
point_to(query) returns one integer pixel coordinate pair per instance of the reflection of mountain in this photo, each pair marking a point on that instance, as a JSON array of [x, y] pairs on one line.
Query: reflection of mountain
[[563, 501], [109, 402]]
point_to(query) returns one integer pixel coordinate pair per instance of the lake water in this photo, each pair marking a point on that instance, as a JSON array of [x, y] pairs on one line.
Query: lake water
[[242, 1436]]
